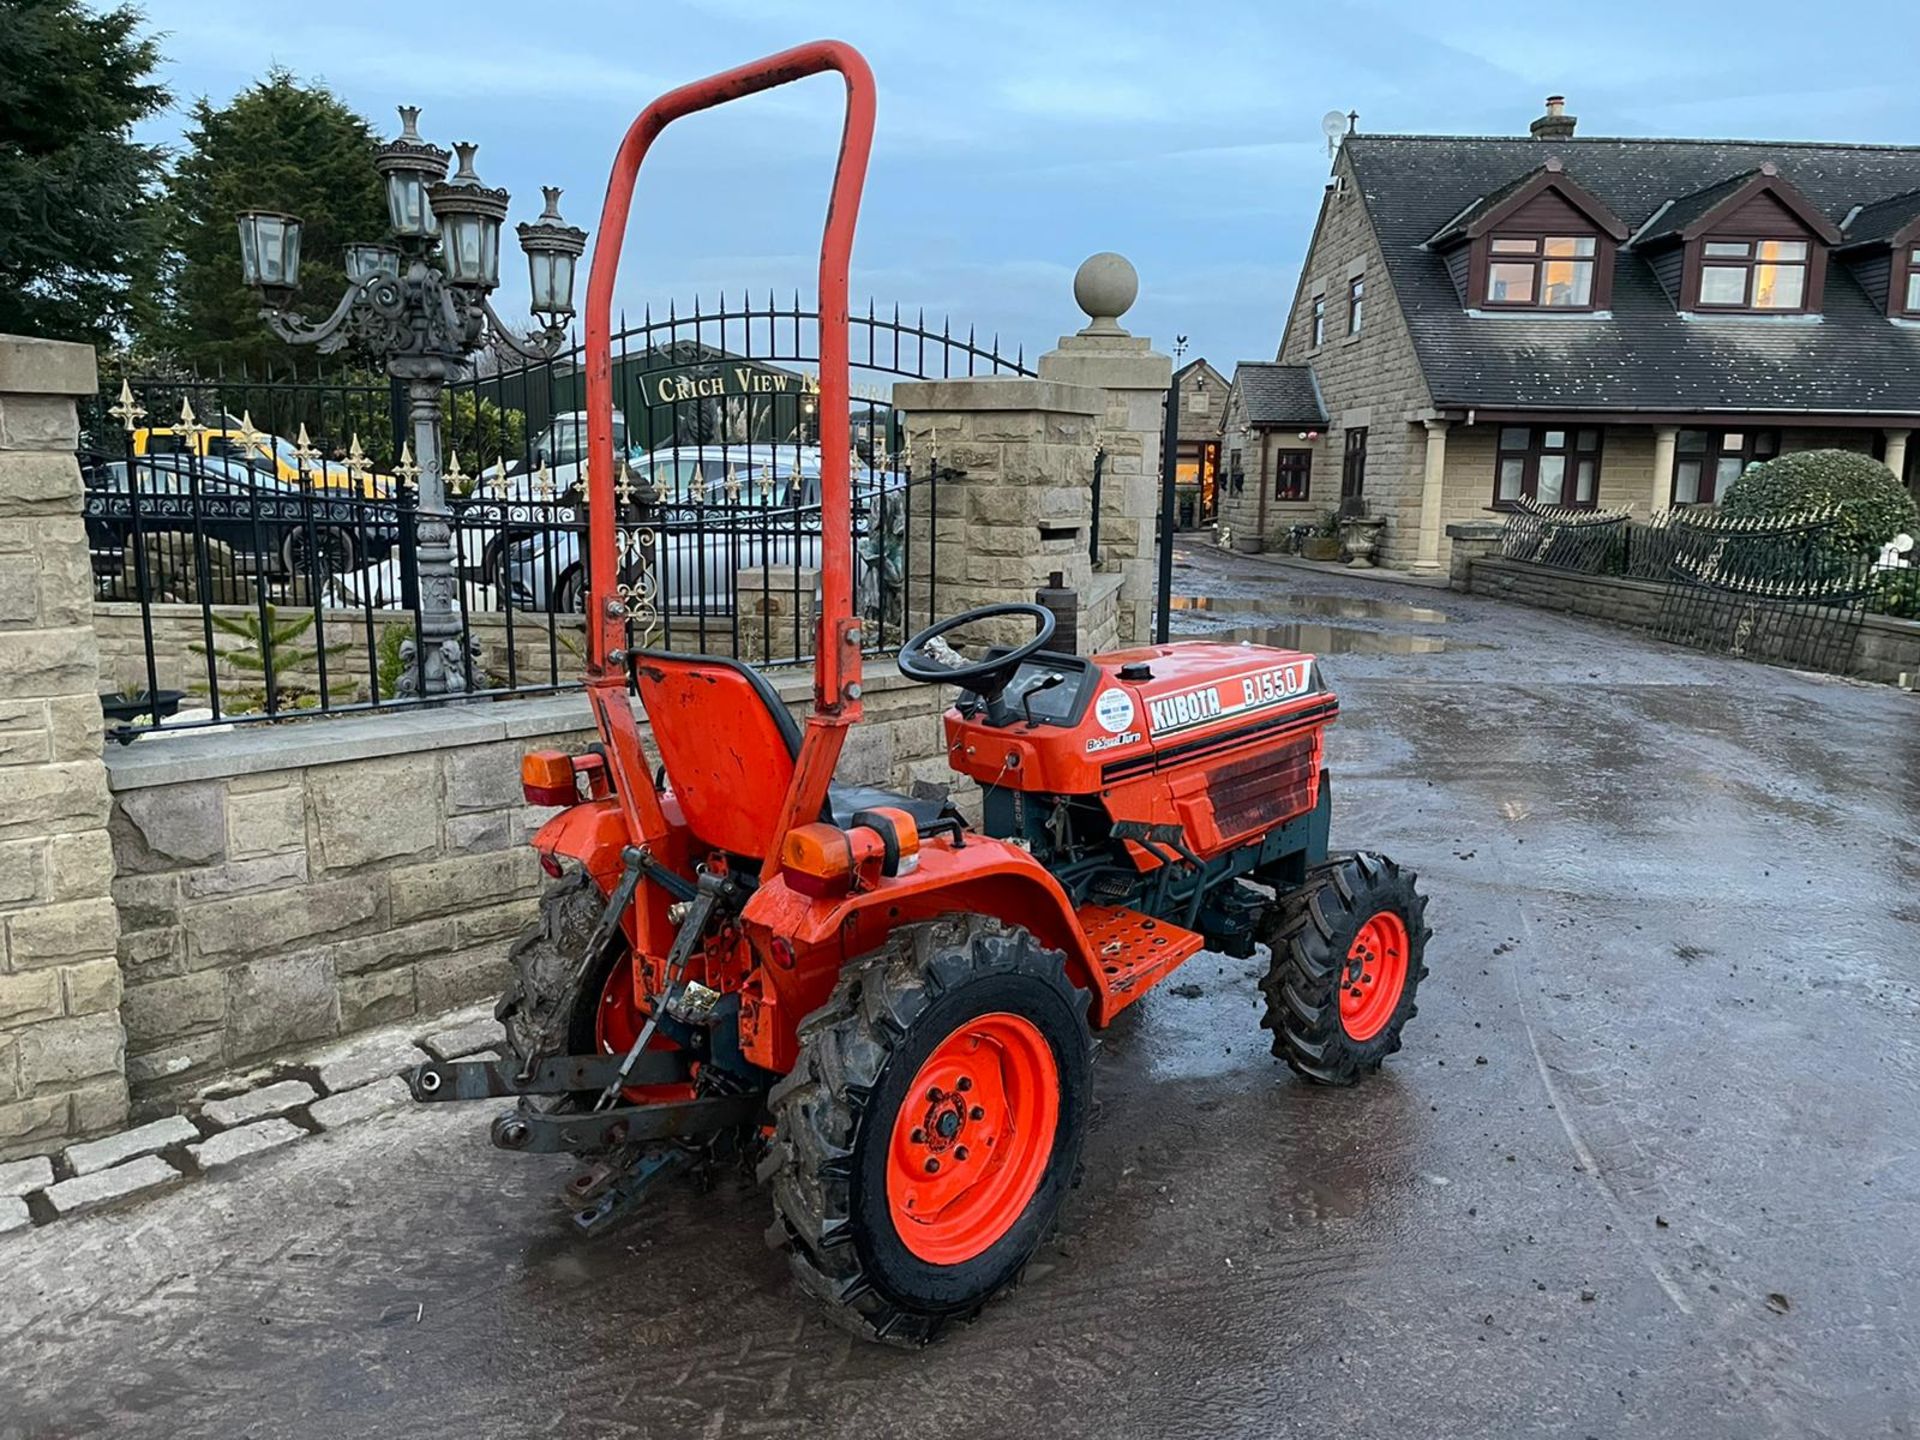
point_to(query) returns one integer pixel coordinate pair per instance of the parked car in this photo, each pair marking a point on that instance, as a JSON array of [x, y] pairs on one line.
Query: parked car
[[510, 500], [275, 455], [268, 525], [562, 448], [721, 510]]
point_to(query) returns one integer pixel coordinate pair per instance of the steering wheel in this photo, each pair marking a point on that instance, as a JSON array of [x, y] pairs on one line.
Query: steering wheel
[[985, 678]]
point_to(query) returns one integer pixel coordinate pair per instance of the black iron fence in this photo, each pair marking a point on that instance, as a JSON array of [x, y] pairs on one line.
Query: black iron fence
[[1789, 590], [254, 542]]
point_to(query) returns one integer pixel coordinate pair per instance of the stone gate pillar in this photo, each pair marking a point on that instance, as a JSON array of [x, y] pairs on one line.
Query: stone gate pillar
[[1134, 379], [62, 1051], [1005, 466]]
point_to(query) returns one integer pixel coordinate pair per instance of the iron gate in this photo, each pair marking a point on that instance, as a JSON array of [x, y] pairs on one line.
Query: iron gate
[[257, 535]]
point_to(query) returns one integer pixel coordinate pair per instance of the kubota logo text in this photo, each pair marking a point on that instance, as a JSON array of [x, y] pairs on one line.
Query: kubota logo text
[[1257, 692], [1190, 707]]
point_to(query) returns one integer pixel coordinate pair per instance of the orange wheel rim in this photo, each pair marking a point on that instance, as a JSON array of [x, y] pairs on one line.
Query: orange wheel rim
[[616, 1025], [617, 1020], [973, 1138], [1374, 976]]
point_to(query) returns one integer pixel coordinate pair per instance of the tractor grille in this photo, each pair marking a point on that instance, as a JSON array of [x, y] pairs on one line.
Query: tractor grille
[[1264, 789]]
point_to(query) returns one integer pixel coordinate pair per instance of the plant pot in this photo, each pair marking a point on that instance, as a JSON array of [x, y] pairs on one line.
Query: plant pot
[[1321, 547], [1361, 537], [159, 705]]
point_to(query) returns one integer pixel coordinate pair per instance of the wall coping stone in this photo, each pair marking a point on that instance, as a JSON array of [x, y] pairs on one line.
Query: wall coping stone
[[251, 749], [1476, 529], [30, 366], [999, 392]]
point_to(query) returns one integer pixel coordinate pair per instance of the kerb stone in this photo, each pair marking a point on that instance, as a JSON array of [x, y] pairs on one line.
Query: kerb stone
[[122, 1182]]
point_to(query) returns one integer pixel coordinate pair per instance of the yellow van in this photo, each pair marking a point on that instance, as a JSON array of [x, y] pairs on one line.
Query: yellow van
[[270, 453]]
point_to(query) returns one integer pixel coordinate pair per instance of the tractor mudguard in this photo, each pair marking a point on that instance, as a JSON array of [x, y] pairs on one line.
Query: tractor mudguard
[[816, 938], [593, 834]]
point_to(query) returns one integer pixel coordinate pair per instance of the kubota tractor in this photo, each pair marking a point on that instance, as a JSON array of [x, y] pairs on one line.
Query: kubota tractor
[[889, 1007]]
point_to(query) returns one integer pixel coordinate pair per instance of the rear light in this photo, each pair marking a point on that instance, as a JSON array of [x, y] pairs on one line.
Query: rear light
[[817, 860], [547, 778], [826, 862]]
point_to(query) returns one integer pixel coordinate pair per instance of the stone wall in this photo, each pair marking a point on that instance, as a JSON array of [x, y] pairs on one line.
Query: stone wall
[[283, 884], [1372, 379], [1133, 381], [1887, 650], [61, 1045], [1013, 501]]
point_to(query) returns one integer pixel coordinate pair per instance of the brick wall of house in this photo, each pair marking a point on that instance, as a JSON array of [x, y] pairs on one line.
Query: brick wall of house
[[1372, 380]]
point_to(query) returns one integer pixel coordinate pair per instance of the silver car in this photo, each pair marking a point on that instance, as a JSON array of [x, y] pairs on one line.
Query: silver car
[[721, 511]]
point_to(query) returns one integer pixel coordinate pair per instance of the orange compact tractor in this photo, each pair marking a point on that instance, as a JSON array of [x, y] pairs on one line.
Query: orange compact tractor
[[887, 1005]]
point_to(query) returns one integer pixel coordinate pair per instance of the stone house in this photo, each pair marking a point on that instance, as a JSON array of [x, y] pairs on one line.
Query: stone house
[[1203, 396], [1271, 430], [1594, 322]]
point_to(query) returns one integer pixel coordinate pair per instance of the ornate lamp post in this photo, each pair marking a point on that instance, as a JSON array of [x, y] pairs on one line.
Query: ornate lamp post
[[421, 304]]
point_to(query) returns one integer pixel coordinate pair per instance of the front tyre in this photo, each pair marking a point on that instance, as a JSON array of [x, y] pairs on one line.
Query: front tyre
[[928, 1134], [1348, 952]]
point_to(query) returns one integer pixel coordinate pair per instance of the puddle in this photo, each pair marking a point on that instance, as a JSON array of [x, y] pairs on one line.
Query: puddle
[[1336, 640], [1337, 607]]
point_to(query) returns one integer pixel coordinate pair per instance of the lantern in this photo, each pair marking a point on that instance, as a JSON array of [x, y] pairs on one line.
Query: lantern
[[470, 215], [553, 247]]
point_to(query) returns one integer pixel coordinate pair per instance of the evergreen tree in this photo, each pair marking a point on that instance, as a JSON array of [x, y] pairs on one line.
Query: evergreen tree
[[75, 190], [280, 145]]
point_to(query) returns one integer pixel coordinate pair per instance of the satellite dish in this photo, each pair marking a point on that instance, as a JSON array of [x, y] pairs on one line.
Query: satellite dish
[[1333, 125]]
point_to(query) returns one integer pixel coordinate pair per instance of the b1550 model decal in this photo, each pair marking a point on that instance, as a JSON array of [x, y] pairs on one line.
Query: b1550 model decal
[[1188, 708]]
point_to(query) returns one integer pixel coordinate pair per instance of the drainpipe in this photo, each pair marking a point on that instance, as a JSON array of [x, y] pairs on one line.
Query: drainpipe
[[1261, 529]]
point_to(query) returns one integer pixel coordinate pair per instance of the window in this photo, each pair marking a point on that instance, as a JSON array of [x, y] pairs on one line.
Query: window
[[1356, 302], [1705, 462], [1236, 476], [1319, 322], [1546, 272], [1292, 474], [1913, 281], [1353, 465], [1753, 275], [1550, 464]]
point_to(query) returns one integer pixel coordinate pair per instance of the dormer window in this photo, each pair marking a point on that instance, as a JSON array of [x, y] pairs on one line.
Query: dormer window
[[1540, 243], [1548, 272], [1753, 275], [1749, 244], [1912, 296]]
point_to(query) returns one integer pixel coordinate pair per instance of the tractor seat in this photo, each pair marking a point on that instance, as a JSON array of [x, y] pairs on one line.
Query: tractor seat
[[729, 745], [846, 801]]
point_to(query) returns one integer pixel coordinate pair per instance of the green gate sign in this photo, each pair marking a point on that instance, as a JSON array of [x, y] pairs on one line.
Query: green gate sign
[[669, 387]]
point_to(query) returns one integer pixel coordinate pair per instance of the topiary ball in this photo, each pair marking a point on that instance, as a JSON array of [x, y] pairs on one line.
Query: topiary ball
[[1874, 505]]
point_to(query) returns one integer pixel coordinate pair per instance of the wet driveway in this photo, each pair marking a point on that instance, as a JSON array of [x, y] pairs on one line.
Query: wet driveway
[[1649, 1164]]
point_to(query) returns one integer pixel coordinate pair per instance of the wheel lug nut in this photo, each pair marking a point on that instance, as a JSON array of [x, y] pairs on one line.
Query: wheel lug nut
[[919, 1136], [964, 1083], [959, 1152], [976, 1113], [933, 1166], [936, 1095]]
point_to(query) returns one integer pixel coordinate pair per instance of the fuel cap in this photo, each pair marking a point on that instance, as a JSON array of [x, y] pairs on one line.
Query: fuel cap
[[1137, 670]]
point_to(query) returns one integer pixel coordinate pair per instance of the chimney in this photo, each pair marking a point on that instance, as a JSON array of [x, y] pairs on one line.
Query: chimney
[[1556, 124]]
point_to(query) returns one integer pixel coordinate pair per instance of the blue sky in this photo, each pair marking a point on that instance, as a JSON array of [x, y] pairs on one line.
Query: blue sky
[[1015, 139]]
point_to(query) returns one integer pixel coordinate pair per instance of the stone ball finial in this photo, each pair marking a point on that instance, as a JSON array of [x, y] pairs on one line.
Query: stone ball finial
[[1105, 286]]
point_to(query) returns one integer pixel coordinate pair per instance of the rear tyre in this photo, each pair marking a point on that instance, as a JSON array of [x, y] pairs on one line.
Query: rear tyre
[[925, 1140], [547, 1011], [1348, 958]]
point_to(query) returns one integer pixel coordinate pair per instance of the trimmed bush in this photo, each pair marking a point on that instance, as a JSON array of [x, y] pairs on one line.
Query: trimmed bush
[[1874, 505]]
